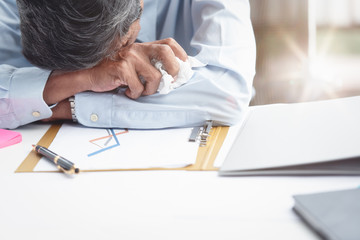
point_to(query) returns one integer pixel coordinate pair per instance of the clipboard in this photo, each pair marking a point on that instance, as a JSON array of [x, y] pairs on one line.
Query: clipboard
[[210, 141]]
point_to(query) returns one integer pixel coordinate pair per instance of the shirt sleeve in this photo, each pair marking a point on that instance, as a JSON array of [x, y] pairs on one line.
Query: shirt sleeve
[[223, 39], [21, 100]]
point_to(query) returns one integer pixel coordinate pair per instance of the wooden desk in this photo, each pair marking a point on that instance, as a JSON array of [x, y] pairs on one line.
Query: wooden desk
[[149, 205]]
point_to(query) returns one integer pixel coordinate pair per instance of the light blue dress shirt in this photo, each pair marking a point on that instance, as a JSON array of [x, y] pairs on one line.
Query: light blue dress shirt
[[216, 32]]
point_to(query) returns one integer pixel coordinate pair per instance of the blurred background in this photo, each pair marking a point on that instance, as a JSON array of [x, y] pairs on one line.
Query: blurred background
[[306, 50]]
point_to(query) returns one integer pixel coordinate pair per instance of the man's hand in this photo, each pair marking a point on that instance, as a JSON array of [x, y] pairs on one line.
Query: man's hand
[[133, 68], [130, 64]]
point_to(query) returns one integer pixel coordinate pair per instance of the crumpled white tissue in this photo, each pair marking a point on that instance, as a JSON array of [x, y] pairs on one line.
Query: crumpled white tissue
[[168, 83]]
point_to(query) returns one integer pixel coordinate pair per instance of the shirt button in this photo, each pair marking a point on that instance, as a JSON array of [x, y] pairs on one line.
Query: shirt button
[[36, 114], [94, 117]]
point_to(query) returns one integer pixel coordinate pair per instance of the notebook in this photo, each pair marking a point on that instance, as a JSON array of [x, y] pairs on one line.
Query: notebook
[[310, 138], [333, 215], [8, 137]]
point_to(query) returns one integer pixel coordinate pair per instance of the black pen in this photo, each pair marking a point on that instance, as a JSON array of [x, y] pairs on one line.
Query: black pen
[[63, 164]]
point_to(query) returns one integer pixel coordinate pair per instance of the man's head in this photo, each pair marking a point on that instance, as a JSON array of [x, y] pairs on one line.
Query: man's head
[[75, 34]]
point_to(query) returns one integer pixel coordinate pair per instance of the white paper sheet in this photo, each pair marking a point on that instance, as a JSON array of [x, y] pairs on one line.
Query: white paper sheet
[[92, 148], [228, 142]]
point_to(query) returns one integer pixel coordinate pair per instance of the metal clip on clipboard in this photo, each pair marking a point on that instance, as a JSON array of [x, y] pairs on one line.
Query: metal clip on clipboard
[[201, 134]]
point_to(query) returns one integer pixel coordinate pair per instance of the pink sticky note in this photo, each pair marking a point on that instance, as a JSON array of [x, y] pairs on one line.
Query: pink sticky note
[[8, 138]]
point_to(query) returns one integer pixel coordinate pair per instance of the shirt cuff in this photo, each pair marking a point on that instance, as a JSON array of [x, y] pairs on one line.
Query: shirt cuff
[[26, 95]]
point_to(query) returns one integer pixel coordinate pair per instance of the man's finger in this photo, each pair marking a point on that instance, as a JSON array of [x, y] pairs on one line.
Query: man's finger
[[151, 76], [164, 54], [175, 47], [135, 87]]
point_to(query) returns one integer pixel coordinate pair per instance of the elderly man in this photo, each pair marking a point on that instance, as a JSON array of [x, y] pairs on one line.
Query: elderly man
[[88, 60]]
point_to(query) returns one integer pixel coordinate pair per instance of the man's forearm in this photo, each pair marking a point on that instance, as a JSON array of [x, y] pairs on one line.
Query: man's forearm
[[61, 111], [61, 86]]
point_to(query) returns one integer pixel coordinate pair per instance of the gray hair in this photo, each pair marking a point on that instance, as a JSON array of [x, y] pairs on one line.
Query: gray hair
[[71, 35]]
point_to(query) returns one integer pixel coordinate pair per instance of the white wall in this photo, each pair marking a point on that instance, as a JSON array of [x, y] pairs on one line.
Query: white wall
[[343, 13], [338, 12]]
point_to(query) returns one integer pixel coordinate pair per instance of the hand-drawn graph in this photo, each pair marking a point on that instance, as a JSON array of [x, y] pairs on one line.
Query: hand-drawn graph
[[119, 148], [103, 142]]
